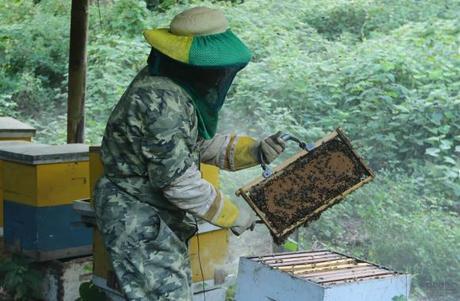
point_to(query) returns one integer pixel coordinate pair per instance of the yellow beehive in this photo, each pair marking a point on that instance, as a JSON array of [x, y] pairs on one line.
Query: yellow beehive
[[12, 129], [40, 182], [4, 145], [45, 175], [208, 248], [209, 236]]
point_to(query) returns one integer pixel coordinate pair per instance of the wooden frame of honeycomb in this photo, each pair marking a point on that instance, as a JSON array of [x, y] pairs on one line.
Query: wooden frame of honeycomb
[[307, 184]]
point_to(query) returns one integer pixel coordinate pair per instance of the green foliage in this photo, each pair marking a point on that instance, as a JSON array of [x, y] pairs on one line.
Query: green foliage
[[19, 279], [291, 245], [161, 5], [230, 294], [125, 17], [110, 70], [33, 60], [90, 292], [363, 18]]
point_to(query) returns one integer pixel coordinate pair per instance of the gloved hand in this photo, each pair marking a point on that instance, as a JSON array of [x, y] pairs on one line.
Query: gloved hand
[[271, 147], [245, 221]]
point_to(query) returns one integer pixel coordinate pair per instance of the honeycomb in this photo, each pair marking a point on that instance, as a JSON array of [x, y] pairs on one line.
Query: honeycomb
[[303, 189]]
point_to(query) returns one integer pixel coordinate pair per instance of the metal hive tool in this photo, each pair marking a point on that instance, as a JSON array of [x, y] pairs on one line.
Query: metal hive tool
[[307, 184]]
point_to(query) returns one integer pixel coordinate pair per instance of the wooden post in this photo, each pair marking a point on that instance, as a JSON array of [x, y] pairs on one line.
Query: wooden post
[[77, 72]]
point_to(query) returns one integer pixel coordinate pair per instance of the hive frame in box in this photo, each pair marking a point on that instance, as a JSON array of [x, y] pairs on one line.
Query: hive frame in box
[[281, 235]]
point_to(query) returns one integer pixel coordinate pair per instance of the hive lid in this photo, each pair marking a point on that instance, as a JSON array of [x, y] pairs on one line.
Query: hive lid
[[36, 153], [10, 127], [325, 267]]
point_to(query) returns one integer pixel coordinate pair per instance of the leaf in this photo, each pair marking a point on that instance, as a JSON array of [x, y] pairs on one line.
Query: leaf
[[445, 144], [432, 151], [436, 117], [291, 245], [90, 292], [450, 160]]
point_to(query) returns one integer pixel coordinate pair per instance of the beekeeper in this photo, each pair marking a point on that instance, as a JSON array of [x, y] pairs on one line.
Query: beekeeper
[[163, 126]]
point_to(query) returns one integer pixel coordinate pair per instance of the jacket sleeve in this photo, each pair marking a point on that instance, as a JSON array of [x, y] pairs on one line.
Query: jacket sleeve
[[192, 193], [230, 152]]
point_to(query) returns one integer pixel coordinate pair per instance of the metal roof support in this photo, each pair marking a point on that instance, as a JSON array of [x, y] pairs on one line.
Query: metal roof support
[[77, 72]]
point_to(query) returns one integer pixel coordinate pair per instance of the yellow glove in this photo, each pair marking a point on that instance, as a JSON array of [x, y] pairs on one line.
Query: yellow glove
[[226, 214], [222, 212], [242, 152]]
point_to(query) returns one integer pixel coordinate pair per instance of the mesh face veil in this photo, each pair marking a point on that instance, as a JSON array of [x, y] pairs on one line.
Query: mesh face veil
[[208, 86]]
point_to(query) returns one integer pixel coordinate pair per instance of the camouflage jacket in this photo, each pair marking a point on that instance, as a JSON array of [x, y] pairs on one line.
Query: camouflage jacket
[[150, 139]]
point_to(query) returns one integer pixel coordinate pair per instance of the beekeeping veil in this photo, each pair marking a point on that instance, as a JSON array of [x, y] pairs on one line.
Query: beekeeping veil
[[202, 55]]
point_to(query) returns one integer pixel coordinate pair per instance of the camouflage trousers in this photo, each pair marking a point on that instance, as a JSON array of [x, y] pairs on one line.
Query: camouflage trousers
[[150, 261]]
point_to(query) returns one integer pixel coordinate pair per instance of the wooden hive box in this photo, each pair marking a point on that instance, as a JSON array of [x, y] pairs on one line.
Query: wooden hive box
[[40, 184], [307, 184], [4, 145], [319, 275], [12, 129]]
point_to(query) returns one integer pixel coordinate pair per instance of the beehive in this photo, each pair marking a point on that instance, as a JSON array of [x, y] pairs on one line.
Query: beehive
[[12, 129], [317, 276], [208, 237], [307, 184], [40, 183], [4, 145]]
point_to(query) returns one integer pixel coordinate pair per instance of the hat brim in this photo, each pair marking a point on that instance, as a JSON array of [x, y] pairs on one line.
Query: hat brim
[[216, 50]]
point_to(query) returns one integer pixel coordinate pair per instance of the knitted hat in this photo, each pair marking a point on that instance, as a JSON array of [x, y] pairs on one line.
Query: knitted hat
[[200, 37]]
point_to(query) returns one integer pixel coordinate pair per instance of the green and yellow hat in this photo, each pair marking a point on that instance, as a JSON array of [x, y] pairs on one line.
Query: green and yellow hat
[[200, 37]]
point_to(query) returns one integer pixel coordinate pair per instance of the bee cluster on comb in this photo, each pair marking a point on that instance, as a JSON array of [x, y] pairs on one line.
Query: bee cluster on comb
[[306, 185]]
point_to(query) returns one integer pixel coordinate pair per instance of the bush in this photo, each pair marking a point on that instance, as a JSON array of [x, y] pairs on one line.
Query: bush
[[20, 280], [363, 18], [33, 60]]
